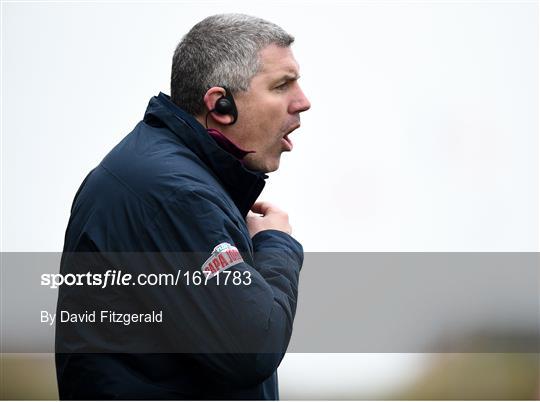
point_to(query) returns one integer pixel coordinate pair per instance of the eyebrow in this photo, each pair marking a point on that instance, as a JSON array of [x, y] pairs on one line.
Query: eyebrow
[[288, 77]]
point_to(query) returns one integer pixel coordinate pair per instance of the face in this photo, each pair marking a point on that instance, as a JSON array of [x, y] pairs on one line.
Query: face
[[269, 110]]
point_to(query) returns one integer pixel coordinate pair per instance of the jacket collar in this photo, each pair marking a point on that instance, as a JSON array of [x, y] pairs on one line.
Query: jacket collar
[[243, 185]]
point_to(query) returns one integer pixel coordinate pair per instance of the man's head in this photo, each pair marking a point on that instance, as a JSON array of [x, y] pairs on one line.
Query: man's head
[[252, 58]]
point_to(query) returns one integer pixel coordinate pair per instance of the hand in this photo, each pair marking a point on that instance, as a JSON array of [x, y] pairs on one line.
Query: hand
[[264, 216]]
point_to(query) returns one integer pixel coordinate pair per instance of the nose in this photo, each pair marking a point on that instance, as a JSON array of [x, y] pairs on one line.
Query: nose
[[300, 103]]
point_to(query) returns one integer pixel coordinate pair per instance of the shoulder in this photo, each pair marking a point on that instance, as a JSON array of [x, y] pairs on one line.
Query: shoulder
[[155, 165]]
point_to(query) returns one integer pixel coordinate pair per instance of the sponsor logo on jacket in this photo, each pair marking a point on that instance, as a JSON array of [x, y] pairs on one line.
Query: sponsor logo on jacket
[[223, 256]]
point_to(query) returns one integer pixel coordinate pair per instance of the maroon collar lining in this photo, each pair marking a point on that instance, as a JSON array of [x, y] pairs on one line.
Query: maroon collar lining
[[227, 144]]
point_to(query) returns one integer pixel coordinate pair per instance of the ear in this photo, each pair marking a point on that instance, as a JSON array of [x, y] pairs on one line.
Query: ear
[[210, 98]]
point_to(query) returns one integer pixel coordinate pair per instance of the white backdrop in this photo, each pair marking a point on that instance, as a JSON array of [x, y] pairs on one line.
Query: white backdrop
[[423, 132]]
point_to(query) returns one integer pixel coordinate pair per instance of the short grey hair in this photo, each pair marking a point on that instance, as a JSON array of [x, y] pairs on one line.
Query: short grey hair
[[221, 50]]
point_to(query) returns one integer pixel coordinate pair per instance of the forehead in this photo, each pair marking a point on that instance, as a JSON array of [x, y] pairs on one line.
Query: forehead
[[276, 60]]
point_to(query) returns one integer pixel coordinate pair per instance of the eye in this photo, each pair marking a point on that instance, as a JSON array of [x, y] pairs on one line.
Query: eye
[[283, 86]]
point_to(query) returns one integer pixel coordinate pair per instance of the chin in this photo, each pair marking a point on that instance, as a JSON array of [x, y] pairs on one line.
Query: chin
[[271, 166], [271, 169], [261, 166]]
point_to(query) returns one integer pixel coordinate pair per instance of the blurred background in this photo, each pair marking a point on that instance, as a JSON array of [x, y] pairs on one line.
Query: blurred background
[[455, 376], [423, 137]]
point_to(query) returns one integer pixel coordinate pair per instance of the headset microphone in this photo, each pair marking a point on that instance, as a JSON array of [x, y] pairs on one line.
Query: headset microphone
[[225, 105]]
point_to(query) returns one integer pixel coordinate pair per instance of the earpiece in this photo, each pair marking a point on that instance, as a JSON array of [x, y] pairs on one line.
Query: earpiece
[[225, 105]]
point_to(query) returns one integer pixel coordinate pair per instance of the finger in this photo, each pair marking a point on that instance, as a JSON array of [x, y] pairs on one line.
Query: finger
[[262, 207]]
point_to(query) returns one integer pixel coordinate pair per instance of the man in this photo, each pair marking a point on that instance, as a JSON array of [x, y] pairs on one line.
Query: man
[[181, 189]]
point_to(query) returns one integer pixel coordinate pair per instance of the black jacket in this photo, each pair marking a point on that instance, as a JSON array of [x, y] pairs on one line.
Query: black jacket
[[170, 192]]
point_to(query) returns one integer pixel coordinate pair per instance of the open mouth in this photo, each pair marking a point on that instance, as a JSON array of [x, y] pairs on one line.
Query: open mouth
[[286, 141]]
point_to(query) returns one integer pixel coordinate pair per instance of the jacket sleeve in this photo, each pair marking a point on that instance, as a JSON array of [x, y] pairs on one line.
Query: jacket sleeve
[[240, 332]]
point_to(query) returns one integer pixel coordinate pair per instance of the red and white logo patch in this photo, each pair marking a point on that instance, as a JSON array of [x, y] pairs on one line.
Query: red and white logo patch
[[223, 256]]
